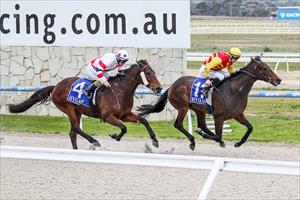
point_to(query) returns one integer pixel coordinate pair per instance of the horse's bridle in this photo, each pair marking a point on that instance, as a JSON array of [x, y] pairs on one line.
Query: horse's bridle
[[249, 73], [266, 79], [144, 80]]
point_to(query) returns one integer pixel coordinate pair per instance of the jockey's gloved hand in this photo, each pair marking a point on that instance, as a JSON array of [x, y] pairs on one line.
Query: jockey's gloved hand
[[121, 73], [208, 82]]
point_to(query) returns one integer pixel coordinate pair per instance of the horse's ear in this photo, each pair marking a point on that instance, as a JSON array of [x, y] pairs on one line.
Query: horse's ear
[[257, 58], [138, 62], [253, 59]]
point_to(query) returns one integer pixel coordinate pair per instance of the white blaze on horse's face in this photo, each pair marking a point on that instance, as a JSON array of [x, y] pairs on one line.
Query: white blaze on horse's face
[[144, 79]]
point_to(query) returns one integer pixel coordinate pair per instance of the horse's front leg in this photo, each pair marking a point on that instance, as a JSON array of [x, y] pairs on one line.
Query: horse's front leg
[[111, 119], [242, 119], [131, 117]]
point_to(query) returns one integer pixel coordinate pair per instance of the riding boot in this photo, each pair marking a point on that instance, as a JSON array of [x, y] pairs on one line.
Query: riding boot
[[215, 82], [205, 90], [91, 88]]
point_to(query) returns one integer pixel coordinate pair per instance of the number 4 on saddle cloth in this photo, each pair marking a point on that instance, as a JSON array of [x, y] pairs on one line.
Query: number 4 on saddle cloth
[[198, 97], [76, 94]]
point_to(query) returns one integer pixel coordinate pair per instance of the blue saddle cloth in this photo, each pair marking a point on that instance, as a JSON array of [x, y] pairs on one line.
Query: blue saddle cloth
[[196, 95], [76, 94]]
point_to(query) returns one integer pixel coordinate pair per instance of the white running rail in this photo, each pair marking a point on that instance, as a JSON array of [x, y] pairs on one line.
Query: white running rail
[[215, 164], [266, 57]]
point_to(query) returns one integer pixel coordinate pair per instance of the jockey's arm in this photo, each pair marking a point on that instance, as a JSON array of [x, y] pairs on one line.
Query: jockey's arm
[[101, 77], [231, 69], [214, 62]]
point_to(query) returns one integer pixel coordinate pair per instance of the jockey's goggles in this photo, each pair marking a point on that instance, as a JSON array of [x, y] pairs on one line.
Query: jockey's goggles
[[235, 57], [121, 60]]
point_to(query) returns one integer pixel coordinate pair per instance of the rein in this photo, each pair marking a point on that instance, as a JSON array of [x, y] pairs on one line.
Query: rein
[[244, 71]]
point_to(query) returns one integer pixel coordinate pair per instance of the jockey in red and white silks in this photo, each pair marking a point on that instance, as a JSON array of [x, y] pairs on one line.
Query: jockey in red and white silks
[[99, 69]]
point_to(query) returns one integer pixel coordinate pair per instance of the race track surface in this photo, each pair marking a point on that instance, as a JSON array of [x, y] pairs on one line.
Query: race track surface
[[36, 179]]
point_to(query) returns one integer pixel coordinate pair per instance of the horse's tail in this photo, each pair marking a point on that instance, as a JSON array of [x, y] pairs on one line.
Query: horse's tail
[[42, 96], [158, 107]]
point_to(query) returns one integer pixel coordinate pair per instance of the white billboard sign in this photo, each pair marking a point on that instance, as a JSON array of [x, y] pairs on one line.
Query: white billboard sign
[[110, 23]]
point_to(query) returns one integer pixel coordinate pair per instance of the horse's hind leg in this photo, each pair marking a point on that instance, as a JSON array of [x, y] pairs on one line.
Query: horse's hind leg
[[179, 125], [202, 124], [242, 119], [219, 130], [207, 133], [131, 117], [75, 122]]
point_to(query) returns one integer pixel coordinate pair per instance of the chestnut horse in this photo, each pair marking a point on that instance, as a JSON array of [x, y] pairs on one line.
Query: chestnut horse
[[229, 101], [112, 105]]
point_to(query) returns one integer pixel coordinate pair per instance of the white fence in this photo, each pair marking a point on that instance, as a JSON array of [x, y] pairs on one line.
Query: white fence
[[266, 56], [215, 164]]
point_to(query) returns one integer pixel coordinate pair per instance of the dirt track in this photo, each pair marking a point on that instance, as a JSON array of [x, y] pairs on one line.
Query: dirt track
[[32, 179]]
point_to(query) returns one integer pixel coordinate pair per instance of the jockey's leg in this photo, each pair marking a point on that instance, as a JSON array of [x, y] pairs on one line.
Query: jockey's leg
[[216, 77], [215, 82], [92, 87]]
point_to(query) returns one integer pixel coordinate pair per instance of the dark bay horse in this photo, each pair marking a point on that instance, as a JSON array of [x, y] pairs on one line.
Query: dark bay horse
[[112, 105], [229, 101]]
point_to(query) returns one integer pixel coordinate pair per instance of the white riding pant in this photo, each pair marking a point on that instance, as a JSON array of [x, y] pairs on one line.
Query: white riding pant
[[214, 74], [90, 73]]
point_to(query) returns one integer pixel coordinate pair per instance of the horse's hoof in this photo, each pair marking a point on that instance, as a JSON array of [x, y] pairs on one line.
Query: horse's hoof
[[113, 136], [96, 144], [155, 143], [237, 144], [222, 144], [92, 147], [192, 147], [198, 130]]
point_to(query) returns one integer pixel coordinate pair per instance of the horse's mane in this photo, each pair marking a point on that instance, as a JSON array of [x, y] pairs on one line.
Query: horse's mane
[[237, 73], [120, 76], [126, 71]]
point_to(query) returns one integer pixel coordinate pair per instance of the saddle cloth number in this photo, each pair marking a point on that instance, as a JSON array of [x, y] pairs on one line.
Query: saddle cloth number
[[196, 95], [76, 94], [79, 89]]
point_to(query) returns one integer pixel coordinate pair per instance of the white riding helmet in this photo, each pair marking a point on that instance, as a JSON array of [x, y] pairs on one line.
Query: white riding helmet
[[122, 55]]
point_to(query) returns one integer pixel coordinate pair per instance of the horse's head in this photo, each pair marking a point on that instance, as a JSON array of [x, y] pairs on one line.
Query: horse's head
[[262, 71], [148, 77]]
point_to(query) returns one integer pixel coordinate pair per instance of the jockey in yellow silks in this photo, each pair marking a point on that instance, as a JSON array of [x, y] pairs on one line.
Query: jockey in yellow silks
[[218, 66]]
